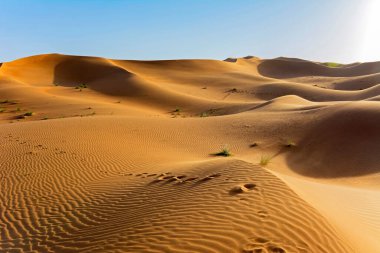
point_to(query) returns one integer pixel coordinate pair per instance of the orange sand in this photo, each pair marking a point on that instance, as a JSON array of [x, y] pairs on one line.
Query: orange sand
[[117, 156]]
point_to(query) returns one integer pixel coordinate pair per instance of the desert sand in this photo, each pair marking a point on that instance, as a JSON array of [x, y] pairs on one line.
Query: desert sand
[[102, 155]]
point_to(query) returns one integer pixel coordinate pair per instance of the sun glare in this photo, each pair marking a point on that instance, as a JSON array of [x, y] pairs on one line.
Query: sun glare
[[370, 49]]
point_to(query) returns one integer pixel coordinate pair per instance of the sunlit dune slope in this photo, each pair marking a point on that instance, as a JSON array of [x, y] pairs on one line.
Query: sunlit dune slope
[[95, 192]]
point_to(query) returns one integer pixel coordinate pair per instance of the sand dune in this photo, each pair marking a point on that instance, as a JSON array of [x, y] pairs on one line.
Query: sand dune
[[102, 155], [289, 67]]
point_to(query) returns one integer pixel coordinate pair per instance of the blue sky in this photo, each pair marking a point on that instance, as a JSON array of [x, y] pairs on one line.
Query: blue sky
[[323, 30]]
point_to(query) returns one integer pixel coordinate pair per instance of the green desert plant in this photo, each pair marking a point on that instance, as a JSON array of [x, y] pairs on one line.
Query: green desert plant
[[332, 64], [224, 152], [7, 101], [81, 86], [176, 112], [28, 114], [264, 160], [2, 110], [204, 114], [208, 112]]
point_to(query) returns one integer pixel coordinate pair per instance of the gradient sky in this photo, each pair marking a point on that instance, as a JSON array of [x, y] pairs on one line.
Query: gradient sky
[[323, 30]]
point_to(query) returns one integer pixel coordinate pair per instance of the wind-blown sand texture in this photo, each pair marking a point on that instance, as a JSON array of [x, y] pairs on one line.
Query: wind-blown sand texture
[[100, 155]]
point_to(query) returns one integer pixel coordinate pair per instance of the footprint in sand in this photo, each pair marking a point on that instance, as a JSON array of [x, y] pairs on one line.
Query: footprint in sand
[[262, 214], [181, 179], [210, 177], [262, 245], [144, 175], [190, 179], [242, 188], [173, 179], [164, 177]]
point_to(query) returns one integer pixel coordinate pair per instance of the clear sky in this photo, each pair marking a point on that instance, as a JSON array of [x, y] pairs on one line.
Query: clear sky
[[324, 30]]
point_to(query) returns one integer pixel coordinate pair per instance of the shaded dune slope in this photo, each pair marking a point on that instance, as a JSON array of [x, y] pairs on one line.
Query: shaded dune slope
[[287, 68], [340, 142]]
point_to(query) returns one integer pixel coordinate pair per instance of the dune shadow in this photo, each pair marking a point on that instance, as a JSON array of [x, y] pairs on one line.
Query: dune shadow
[[342, 144], [283, 68], [95, 73]]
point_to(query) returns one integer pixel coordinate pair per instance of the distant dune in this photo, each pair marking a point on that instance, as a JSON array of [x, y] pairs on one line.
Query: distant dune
[[102, 155]]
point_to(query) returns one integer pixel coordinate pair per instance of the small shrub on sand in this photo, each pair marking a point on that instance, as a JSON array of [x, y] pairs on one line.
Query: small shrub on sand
[[204, 114], [23, 116], [81, 86], [28, 114], [7, 101], [2, 110], [176, 112], [332, 64], [224, 152], [208, 113], [264, 160]]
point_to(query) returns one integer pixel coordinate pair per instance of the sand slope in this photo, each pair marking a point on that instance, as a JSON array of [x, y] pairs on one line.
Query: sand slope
[[101, 155]]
